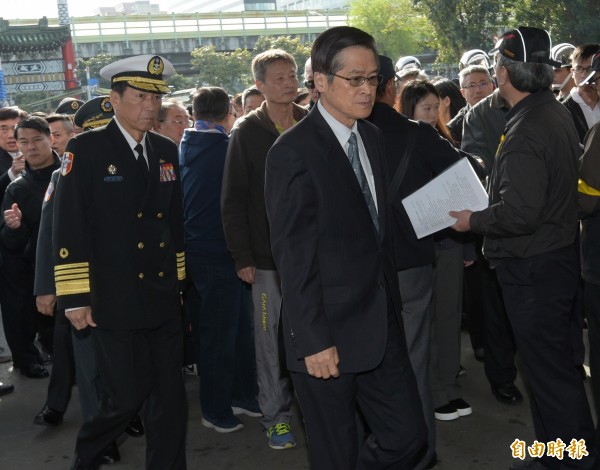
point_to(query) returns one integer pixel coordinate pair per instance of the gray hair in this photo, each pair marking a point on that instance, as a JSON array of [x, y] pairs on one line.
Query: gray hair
[[527, 76], [462, 75]]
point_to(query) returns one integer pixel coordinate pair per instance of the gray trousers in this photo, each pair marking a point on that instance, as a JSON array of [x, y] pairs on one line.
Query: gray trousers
[[416, 289], [274, 384], [447, 308]]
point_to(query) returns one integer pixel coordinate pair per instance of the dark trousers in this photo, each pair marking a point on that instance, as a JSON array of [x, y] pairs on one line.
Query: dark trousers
[[63, 365], [19, 313], [140, 367], [222, 319], [388, 400], [538, 294], [592, 312]]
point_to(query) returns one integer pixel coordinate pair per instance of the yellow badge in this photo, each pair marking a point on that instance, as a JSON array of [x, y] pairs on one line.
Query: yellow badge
[[106, 105], [112, 169], [63, 253], [75, 105], [156, 66]]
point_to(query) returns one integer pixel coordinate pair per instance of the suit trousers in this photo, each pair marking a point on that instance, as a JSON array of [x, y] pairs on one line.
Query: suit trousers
[[140, 367], [416, 289], [539, 292], [19, 312], [388, 399], [274, 385], [591, 295], [86, 371], [63, 366]]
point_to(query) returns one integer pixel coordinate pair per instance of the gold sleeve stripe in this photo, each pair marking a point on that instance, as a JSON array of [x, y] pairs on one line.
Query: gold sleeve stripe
[[60, 267], [584, 188], [67, 277], [80, 286], [181, 273], [180, 255]]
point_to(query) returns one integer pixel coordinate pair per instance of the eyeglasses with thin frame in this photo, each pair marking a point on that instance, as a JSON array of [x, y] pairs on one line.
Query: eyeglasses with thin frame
[[472, 86], [357, 81], [310, 84], [188, 123], [580, 69]]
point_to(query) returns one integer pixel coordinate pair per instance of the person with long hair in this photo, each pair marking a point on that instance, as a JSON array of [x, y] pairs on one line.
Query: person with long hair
[[420, 100]]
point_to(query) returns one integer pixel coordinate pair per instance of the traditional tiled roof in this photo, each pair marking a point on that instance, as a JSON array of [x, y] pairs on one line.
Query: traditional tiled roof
[[25, 39]]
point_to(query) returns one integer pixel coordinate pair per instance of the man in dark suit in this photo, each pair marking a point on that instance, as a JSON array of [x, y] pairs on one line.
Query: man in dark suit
[[118, 251], [326, 198]]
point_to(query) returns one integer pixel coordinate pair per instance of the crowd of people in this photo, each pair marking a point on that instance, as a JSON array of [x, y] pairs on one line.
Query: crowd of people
[[260, 242]]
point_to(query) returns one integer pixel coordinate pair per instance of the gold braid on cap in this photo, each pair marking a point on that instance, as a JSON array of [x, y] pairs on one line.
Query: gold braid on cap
[[148, 84]]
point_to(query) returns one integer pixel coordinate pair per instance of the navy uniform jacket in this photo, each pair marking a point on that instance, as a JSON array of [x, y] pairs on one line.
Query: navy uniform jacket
[[44, 264], [336, 270], [117, 244]]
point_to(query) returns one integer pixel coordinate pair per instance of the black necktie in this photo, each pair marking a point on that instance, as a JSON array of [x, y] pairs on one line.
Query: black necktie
[[362, 179], [141, 161]]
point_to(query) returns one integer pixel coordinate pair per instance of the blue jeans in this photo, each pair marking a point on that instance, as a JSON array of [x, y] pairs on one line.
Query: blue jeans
[[220, 312]]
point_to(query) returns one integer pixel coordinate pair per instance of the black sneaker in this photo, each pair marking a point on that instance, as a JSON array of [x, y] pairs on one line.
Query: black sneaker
[[446, 412], [462, 407]]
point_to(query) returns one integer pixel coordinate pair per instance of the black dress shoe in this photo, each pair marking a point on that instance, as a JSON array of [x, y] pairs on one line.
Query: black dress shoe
[[48, 417], [5, 389], [507, 393], [110, 454], [135, 428], [35, 371], [77, 465]]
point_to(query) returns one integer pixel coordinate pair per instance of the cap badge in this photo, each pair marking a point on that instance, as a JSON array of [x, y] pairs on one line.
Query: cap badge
[[106, 105], [112, 169], [156, 66], [74, 104]]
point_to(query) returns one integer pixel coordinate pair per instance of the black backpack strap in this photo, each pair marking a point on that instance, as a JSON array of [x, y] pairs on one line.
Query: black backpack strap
[[401, 170]]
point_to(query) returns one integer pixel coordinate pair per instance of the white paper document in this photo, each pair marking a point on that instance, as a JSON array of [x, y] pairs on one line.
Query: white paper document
[[456, 189]]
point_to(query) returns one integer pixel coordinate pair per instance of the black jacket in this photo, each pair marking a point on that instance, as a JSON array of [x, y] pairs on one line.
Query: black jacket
[[533, 185], [28, 192], [431, 154], [577, 115], [117, 242]]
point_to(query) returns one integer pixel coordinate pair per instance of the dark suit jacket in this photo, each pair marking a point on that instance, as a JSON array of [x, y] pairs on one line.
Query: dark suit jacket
[[117, 244], [336, 271], [5, 165]]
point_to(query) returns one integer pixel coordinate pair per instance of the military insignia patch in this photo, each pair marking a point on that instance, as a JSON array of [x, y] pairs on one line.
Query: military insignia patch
[[67, 163], [75, 105], [63, 253], [112, 169], [156, 66], [49, 192], [167, 172]]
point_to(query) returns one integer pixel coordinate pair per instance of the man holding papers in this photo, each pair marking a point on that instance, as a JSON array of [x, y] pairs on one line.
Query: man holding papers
[[530, 229]]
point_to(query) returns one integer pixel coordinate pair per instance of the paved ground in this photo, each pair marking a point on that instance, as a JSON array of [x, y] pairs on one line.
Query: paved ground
[[479, 441]]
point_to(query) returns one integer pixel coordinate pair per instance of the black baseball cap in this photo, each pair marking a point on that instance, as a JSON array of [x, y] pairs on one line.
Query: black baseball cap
[[525, 44], [386, 68]]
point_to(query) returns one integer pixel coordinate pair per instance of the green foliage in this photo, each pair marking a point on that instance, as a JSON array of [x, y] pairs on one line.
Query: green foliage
[[398, 26], [95, 64], [181, 82], [461, 25], [233, 70]]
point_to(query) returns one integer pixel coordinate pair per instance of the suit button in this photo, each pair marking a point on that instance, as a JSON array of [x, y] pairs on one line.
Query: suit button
[[159, 215], [139, 215], [141, 275], [161, 274], [162, 244], [140, 245]]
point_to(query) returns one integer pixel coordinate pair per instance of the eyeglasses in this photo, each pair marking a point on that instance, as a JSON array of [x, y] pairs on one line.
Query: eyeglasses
[[187, 123], [580, 69], [310, 84], [472, 86], [373, 80]]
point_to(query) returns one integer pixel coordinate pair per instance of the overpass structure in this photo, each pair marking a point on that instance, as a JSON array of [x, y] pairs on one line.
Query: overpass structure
[[180, 33]]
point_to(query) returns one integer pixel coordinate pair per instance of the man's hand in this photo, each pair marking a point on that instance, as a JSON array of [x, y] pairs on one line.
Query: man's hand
[[80, 318], [323, 365], [462, 220], [45, 304], [247, 274], [13, 216], [18, 165]]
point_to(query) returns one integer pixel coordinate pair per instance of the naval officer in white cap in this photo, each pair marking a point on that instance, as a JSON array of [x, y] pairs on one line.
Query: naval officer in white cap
[[119, 262]]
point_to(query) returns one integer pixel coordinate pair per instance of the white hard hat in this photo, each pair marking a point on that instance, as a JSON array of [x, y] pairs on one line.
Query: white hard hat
[[562, 53], [408, 62]]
